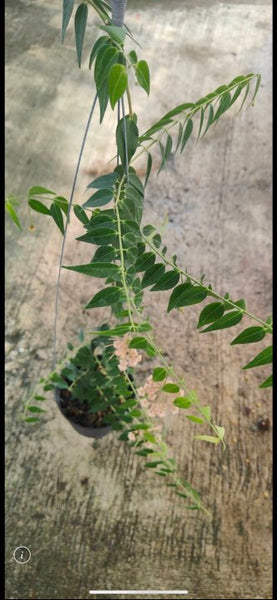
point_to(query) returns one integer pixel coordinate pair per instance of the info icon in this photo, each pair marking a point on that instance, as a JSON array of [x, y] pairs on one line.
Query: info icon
[[22, 554]]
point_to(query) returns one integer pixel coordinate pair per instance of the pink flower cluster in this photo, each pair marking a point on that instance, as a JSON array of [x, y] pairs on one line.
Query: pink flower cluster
[[128, 357], [149, 393]]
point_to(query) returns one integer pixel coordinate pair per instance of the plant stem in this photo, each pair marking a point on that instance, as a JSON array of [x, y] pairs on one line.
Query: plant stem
[[205, 287]]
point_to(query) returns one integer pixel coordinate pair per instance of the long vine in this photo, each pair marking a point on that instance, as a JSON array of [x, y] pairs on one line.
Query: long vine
[[131, 257]]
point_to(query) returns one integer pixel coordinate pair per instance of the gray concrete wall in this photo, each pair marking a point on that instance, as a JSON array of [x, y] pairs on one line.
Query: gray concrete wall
[[91, 516]]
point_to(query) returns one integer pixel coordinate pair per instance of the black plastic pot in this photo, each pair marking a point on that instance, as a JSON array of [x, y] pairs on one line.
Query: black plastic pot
[[91, 432]]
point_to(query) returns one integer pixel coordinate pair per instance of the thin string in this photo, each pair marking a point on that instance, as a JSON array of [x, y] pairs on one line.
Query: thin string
[[118, 119], [65, 232]]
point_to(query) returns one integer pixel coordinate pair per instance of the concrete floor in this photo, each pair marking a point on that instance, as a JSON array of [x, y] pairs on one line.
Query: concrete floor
[[121, 529]]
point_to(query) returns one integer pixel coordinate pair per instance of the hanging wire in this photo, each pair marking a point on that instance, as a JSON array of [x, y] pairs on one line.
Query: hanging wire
[[57, 298]]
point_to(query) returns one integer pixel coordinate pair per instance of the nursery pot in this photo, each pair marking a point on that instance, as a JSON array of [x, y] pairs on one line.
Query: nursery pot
[[87, 431]]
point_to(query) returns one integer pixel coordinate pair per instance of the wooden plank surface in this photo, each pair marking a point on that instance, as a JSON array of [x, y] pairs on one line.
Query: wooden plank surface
[[90, 514]]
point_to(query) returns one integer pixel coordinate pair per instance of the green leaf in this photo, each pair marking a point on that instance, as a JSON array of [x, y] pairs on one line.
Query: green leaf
[[210, 313], [40, 398], [102, 41], [31, 420], [39, 191], [207, 438], [116, 33], [267, 383], [228, 320], [220, 431], [182, 402], [143, 75], [67, 12], [13, 214], [194, 419], [133, 57], [186, 294], [100, 198], [62, 203], [159, 374], [256, 89], [106, 57], [105, 297], [81, 16], [102, 236], [104, 181], [167, 281], [143, 327], [249, 335], [118, 81], [178, 109], [148, 168], [56, 213], [104, 254], [138, 342], [153, 464], [206, 412], [38, 206], [132, 138], [145, 261], [210, 119], [171, 388], [187, 133], [165, 151], [152, 274], [36, 409], [100, 269], [80, 214], [263, 358], [117, 331], [156, 127]]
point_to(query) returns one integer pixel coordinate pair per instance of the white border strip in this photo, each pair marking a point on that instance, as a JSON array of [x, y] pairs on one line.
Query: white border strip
[[138, 592]]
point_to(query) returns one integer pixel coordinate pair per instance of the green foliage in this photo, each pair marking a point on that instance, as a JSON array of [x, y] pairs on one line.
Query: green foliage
[[130, 256]]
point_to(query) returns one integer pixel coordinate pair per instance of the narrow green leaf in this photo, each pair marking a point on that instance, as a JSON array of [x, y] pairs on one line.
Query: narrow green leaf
[[56, 214], [100, 198], [256, 89], [156, 127], [152, 275], [263, 358], [187, 133], [31, 420], [132, 139], [105, 297], [36, 409], [143, 75], [171, 388], [118, 81], [210, 119], [267, 383], [194, 419], [80, 214], [62, 203], [165, 151], [159, 374], [148, 168], [186, 294], [178, 109], [180, 134], [67, 12], [38, 206], [206, 412], [107, 181], [201, 122], [249, 335], [210, 313], [100, 269], [228, 320], [220, 431], [39, 191], [167, 281], [40, 398], [208, 438], [182, 402], [13, 214], [244, 98], [153, 464], [116, 33], [100, 43], [81, 16], [102, 236]]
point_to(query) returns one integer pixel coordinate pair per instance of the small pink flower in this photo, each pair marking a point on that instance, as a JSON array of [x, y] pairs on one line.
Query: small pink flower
[[128, 357]]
